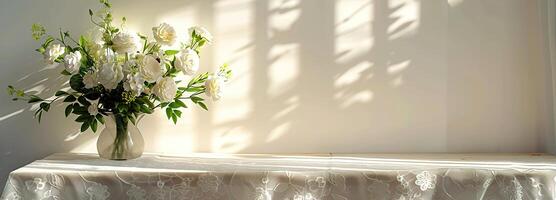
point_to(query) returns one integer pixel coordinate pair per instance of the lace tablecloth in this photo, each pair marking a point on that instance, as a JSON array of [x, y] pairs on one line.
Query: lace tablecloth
[[265, 177]]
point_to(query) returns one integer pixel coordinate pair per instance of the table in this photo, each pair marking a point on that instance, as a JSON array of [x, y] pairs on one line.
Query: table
[[291, 177]]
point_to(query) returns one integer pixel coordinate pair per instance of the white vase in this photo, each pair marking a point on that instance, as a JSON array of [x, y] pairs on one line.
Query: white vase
[[120, 139]]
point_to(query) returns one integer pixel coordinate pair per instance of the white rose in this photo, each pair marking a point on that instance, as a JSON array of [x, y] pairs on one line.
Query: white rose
[[213, 87], [90, 80], [53, 52], [125, 42], [150, 69], [93, 108], [72, 61], [165, 34], [201, 32], [134, 83], [165, 89], [187, 61], [110, 74]]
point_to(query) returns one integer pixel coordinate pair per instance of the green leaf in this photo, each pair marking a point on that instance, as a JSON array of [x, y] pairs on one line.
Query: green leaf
[[76, 83], [180, 103], [169, 112], [84, 126], [70, 99], [174, 105], [145, 109], [82, 41], [202, 42], [39, 117], [83, 118], [37, 31], [100, 118], [196, 99], [83, 101], [34, 99], [195, 89], [171, 52], [45, 106], [177, 112], [60, 93], [203, 105], [68, 110], [174, 119], [20, 93], [94, 125], [65, 72]]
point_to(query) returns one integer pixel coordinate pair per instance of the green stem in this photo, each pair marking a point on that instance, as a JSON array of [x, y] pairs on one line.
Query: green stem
[[121, 137]]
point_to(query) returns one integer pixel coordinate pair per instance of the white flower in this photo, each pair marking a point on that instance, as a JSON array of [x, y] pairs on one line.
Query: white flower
[[134, 83], [426, 180], [53, 52], [93, 108], [187, 61], [125, 42], [110, 74], [201, 32], [213, 86], [150, 69], [164, 34], [90, 79], [72, 61], [165, 89], [100, 53]]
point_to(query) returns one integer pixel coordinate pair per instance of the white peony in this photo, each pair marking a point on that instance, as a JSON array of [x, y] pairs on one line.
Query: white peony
[[53, 52], [213, 86], [72, 61], [201, 32], [134, 83], [165, 34], [187, 61], [110, 74], [150, 69], [90, 80], [125, 42], [165, 89], [93, 108]]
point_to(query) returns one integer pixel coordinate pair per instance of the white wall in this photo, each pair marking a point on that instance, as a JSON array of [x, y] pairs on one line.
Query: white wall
[[313, 76]]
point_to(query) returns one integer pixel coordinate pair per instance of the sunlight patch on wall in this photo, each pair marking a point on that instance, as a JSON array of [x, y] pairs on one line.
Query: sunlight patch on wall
[[89, 146], [398, 67], [233, 30], [454, 3], [11, 115], [360, 97], [405, 16], [352, 74], [234, 33], [284, 70], [353, 29]]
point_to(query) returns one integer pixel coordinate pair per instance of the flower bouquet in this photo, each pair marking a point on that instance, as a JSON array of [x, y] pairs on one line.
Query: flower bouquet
[[116, 76]]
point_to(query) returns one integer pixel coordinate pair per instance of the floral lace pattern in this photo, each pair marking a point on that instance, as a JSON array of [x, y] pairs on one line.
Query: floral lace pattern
[[226, 180], [426, 180]]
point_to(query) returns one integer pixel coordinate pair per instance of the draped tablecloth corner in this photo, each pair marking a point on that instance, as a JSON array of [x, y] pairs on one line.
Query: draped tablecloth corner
[[291, 177]]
